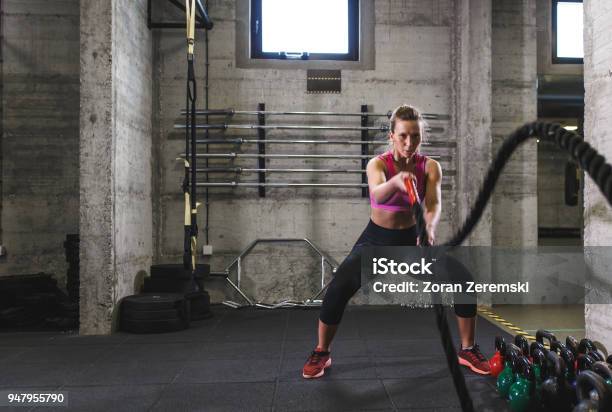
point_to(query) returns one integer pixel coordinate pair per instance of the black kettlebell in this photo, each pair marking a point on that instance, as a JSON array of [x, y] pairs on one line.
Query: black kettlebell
[[605, 371], [538, 359], [572, 344], [592, 393], [544, 334], [587, 346], [553, 392], [537, 345], [585, 362], [570, 373], [523, 344], [557, 346]]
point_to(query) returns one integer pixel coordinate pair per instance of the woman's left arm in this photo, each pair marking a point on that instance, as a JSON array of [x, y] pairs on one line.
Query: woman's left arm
[[433, 197]]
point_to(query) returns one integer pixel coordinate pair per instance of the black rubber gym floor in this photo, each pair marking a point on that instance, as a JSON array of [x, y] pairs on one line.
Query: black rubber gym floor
[[384, 358]]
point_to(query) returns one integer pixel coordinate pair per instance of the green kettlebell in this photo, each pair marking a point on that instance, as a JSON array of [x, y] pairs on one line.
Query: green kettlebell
[[519, 393], [506, 378], [504, 381]]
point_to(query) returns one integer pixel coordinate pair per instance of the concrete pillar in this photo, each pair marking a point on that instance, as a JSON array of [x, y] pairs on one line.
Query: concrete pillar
[[514, 103], [598, 132], [471, 108], [115, 157]]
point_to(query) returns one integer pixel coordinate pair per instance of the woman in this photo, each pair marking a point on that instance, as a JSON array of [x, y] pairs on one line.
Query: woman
[[392, 223]]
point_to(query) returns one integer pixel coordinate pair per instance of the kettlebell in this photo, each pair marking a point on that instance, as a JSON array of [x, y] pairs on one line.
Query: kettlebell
[[553, 388], [585, 362], [592, 393], [537, 345], [522, 389], [496, 363], [538, 359], [557, 346], [523, 344], [570, 373], [539, 369], [544, 334], [572, 344], [506, 377], [604, 370], [587, 346]]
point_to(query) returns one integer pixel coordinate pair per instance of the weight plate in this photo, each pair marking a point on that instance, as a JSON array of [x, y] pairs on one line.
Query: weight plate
[[169, 314], [178, 271], [153, 326], [153, 301]]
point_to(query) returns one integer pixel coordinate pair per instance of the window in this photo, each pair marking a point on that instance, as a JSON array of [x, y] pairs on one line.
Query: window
[[567, 38], [305, 29]]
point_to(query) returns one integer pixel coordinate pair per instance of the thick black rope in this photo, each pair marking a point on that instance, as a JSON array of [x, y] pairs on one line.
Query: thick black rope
[[580, 151]]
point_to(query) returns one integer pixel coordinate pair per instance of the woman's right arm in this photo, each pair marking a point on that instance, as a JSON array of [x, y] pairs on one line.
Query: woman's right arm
[[381, 189]]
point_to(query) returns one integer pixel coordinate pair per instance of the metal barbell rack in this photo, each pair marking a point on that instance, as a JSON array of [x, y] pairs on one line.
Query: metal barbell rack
[[225, 126], [278, 184], [366, 142], [288, 184], [290, 156], [240, 140], [275, 170], [232, 112], [279, 141]]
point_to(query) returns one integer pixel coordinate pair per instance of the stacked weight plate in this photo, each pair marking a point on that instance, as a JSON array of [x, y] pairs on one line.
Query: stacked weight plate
[[33, 302], [154, 313], [173, 278]]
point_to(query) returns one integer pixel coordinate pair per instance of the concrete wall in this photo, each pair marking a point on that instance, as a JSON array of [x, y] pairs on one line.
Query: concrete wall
[[598, 131], [133, 83], [472, 114], [40, 98], [116, 157], [514, 103], [412, 65]]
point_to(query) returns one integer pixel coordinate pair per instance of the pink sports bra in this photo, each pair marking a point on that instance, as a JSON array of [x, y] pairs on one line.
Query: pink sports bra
[[399, 202]]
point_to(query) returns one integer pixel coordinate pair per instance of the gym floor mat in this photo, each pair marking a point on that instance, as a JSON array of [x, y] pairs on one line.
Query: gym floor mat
[[384, 358]]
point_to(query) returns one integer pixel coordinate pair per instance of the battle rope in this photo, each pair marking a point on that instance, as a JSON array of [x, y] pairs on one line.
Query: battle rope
[[580, 151]]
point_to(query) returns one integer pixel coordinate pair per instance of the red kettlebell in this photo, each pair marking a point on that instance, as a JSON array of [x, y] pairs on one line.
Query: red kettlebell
[[496, 363]]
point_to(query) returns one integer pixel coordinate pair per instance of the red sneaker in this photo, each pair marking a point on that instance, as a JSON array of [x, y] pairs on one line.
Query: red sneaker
[[475, 360], [316, 364]]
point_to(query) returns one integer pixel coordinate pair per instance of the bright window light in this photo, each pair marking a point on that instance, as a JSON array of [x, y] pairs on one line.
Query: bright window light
[[287, 26], [569, 30]]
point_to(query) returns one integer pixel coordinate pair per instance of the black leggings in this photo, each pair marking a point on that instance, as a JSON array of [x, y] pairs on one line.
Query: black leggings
[[347, 279]]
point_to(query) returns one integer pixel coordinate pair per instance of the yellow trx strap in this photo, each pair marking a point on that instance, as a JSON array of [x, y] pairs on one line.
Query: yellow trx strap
[[190, 13]]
